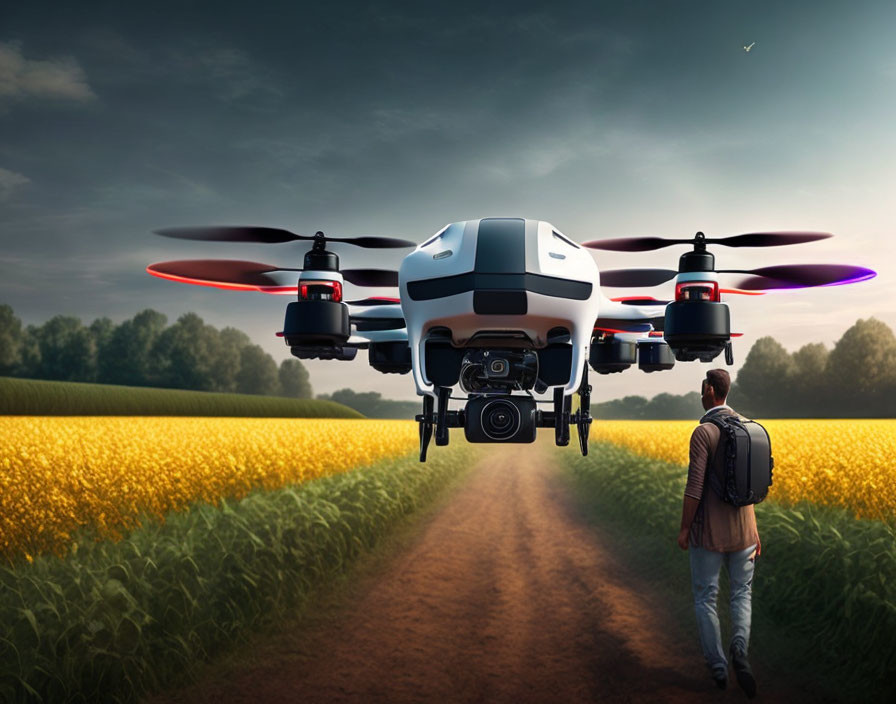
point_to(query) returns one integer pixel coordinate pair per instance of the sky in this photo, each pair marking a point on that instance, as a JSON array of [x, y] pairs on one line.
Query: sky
[[607, 119]]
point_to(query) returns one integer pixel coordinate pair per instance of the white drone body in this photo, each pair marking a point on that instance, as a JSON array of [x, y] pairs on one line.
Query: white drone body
[[481, 279]]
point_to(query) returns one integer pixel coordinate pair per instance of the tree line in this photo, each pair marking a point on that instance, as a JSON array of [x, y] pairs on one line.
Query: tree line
[[146, 351], [373, 405], [855, 379]]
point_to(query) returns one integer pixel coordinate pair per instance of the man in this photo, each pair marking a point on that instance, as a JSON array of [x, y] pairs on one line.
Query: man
[[717, 532]]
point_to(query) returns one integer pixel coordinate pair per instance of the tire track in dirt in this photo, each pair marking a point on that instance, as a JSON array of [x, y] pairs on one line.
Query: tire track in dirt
[[504, 596]]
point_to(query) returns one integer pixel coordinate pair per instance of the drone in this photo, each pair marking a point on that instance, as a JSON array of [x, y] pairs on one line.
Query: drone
[[505, 308]]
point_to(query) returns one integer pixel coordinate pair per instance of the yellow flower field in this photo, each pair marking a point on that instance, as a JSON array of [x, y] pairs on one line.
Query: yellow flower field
[[849, 463], [58, 474]]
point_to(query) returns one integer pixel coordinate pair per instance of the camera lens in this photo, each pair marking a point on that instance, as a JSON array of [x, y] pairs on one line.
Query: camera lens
[[498, 367], [500, 419]]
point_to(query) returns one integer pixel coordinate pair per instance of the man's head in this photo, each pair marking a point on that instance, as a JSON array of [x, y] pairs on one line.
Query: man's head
[[714, 389]]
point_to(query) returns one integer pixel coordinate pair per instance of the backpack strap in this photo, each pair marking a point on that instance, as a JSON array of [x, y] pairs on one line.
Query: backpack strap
[[719, 484]]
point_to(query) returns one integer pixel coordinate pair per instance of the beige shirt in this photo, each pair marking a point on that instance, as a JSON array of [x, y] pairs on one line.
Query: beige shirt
[[717, 525]]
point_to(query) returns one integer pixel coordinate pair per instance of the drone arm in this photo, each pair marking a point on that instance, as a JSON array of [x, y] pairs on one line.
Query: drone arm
[[622, 311]]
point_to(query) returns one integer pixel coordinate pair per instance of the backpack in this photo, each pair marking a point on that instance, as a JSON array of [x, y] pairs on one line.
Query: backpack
[[747, 471]]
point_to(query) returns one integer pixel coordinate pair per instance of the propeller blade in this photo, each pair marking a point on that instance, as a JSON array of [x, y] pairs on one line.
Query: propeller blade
[[272, 235], [371, 277], [750, 239], [375, 301], [374, 242], [264, 235], [768, 239], [634, 244], [639, 301], [800, 276], [636, 277], [221, 273]]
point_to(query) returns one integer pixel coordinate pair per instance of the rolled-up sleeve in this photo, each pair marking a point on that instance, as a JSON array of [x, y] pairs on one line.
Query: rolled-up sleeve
[[699, 455]]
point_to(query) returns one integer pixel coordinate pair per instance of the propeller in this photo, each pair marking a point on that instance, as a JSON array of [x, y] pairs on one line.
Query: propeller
[[751, 239], [764, 278], [242, 275], [273, 235]]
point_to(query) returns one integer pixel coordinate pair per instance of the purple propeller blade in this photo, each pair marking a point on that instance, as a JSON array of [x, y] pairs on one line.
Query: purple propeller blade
[[801, 276]]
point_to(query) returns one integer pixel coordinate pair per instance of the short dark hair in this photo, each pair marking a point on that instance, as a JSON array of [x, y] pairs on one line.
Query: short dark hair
[[720, 382]]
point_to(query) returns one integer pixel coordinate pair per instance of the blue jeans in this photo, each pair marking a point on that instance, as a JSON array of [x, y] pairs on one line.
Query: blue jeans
[[705, 566]]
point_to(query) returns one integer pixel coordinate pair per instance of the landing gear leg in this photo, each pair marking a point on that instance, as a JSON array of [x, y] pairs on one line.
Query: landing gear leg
[[425, 420], [583, 415], [729, 353], [442, 415], [561, 417]]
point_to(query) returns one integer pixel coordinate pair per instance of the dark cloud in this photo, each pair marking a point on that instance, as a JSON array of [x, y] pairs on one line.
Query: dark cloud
[[396, 118]]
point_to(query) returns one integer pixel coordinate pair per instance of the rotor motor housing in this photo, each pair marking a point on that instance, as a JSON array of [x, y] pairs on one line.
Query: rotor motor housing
[[316, 322], [612, 355], [697, 329], [341, 353], [655, 356], [392, 357]]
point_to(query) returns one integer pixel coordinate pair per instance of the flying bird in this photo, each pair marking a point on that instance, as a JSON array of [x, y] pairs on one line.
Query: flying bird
[[747, 48]]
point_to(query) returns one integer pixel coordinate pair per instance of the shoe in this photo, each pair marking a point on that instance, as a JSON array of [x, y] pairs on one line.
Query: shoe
[[720, 677], [743, 672]]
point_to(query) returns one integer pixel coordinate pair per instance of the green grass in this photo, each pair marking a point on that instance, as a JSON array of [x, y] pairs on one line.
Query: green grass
[[69, 398], [115, 621], [824, 595]]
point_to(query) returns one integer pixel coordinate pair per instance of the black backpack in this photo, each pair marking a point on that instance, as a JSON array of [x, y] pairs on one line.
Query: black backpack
[[748, 460]]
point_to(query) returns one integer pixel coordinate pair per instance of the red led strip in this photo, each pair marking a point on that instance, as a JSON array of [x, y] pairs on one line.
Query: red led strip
[[680, 287], [741, 292], [200, 282]]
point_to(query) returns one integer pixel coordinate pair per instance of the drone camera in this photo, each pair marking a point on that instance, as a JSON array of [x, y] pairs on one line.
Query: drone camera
[[498, 370], [500, 418]]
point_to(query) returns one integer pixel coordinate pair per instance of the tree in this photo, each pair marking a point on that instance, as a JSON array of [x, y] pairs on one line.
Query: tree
[[809, 379], [861, 370], [294, 380], [30, 365], [764, 381], [227, 358], [11, 337], [67, 350], [183, 355], [258, 372], [665, 406], [126, 358]]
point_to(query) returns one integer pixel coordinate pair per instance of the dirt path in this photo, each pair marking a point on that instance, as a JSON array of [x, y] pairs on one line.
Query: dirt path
[[503, 597]]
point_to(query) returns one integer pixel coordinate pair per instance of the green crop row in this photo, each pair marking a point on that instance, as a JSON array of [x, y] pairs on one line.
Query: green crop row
[[35, 397], [115, 621], [825, 579]]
